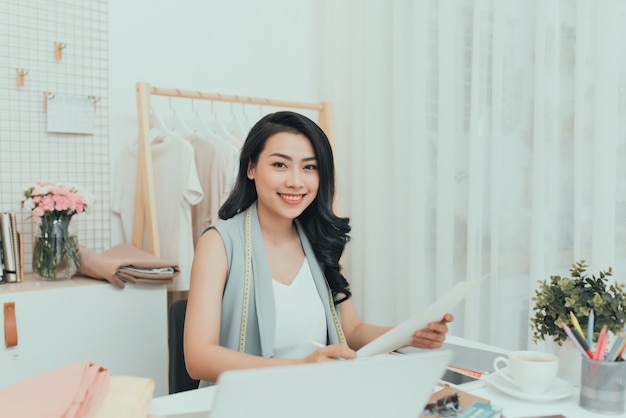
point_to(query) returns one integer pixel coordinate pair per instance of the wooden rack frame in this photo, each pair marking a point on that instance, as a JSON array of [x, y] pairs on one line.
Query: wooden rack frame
[[145, 204]]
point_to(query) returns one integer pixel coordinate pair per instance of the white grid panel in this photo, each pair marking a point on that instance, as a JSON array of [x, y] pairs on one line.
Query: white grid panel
[[28, 33]]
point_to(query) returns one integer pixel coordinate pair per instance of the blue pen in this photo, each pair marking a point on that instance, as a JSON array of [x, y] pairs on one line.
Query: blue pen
[[590, 325]]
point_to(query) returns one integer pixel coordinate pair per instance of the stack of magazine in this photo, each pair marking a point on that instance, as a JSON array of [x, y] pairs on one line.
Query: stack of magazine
[[11, 250]]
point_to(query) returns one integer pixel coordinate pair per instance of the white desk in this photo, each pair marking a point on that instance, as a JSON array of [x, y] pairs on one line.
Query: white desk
[[196, 403]]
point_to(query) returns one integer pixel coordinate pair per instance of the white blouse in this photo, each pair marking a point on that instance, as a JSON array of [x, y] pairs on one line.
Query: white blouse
[[300, 318]]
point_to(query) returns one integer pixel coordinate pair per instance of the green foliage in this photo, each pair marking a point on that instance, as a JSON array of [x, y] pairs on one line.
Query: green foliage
[[556, 298]]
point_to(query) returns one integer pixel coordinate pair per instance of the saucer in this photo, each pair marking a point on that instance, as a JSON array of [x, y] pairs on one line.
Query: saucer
[[559, 389]]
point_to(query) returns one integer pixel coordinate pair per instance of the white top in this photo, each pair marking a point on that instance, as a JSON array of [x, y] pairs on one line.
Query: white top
[[176, 189], [300, 317]]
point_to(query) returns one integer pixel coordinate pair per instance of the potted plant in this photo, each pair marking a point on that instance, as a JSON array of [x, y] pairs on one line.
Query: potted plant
[[557, 297]]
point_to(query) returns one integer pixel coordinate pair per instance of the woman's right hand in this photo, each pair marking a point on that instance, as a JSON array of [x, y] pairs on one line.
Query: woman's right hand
[[331, 353]]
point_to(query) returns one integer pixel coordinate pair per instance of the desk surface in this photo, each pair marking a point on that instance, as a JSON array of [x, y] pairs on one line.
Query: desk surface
[[197, 403]]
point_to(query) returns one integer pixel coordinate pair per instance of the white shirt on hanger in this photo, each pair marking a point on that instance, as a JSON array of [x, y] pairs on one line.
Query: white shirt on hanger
[[176, 189]]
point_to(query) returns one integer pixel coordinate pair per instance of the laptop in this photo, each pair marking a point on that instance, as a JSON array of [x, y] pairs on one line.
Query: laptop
[[377, 386]]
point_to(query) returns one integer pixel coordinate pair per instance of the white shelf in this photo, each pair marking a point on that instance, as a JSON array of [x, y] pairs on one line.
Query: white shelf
[[81, 319]]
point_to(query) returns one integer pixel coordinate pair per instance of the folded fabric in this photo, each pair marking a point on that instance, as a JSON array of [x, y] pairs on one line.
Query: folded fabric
[[164, 270], [138, 279], [126, 263], [72, 391], [128, 397]]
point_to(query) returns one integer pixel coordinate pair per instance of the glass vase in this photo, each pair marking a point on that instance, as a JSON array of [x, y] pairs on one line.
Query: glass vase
[[55, 248]]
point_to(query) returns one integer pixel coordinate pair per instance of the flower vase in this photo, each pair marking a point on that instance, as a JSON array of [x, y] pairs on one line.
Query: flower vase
[[55, 248], [570, 362]]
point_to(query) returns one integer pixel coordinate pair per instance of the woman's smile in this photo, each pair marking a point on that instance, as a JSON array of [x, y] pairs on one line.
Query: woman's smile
[[292, 199]]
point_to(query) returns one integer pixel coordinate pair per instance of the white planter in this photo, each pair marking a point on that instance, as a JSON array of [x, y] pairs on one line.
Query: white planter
[[570, 362]]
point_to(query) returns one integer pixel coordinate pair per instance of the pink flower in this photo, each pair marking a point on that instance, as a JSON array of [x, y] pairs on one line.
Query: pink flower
[[61, 203], [79, 204], [47, 203], [44, 198]]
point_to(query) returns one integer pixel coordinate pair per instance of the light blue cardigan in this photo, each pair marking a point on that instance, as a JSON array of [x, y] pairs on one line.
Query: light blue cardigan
[[259, 339]]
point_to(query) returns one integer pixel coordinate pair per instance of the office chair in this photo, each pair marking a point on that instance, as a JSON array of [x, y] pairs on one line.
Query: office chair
[[179, 379]]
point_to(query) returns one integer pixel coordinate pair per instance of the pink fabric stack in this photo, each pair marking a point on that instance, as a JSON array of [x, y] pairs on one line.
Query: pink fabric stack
[[73, 391]]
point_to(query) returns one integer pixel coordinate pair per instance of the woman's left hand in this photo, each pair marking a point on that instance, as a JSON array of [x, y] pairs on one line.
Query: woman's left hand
[[434, 335]]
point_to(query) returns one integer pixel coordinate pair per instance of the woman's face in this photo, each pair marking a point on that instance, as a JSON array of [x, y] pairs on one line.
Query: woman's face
[[286, 175]]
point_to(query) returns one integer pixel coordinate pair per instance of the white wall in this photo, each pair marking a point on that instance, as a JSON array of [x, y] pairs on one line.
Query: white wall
[[257, 48]]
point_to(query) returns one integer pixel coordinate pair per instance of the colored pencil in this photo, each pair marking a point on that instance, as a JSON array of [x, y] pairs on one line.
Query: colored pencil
[[619, 355], [590, 324], [617, 346], [577, 341], [601, 346], [576, 324]]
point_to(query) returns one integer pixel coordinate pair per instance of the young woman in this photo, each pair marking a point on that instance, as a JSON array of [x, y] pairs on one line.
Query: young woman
[[266, 284]]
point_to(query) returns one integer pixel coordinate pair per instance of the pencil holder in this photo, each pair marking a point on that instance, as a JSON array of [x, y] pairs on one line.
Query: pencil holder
[[603, 386]]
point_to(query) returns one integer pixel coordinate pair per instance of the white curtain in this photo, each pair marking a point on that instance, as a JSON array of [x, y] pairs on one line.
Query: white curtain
[[473, 138]]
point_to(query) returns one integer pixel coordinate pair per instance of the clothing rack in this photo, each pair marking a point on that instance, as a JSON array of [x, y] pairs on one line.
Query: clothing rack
[[145, 204]]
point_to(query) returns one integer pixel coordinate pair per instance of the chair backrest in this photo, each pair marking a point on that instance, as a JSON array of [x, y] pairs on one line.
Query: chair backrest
[[179, 379]]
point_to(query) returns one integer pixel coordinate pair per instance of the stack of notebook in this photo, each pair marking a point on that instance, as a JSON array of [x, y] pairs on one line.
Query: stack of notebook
[[11, 250]]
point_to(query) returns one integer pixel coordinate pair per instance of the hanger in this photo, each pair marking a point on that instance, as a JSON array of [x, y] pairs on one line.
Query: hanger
[[244, 122], [159, 131], [157, 126], [156, 135], [198, 124], [217, 126], [234, 129], [176, 124]]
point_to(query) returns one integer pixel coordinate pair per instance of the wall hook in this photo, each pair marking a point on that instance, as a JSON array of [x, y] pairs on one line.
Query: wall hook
[[94, 99], [58, 50], [47, 96], [21, 73]]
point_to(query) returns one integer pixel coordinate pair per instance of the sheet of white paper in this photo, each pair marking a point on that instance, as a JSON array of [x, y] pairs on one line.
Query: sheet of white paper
[[69, 114], [400, 335]]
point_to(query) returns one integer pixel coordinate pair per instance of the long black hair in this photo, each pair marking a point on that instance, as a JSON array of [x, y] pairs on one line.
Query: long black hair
[[327, 232]]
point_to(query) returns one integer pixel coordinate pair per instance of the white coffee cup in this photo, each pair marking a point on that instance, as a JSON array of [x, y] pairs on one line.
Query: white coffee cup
[[531, 371]]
